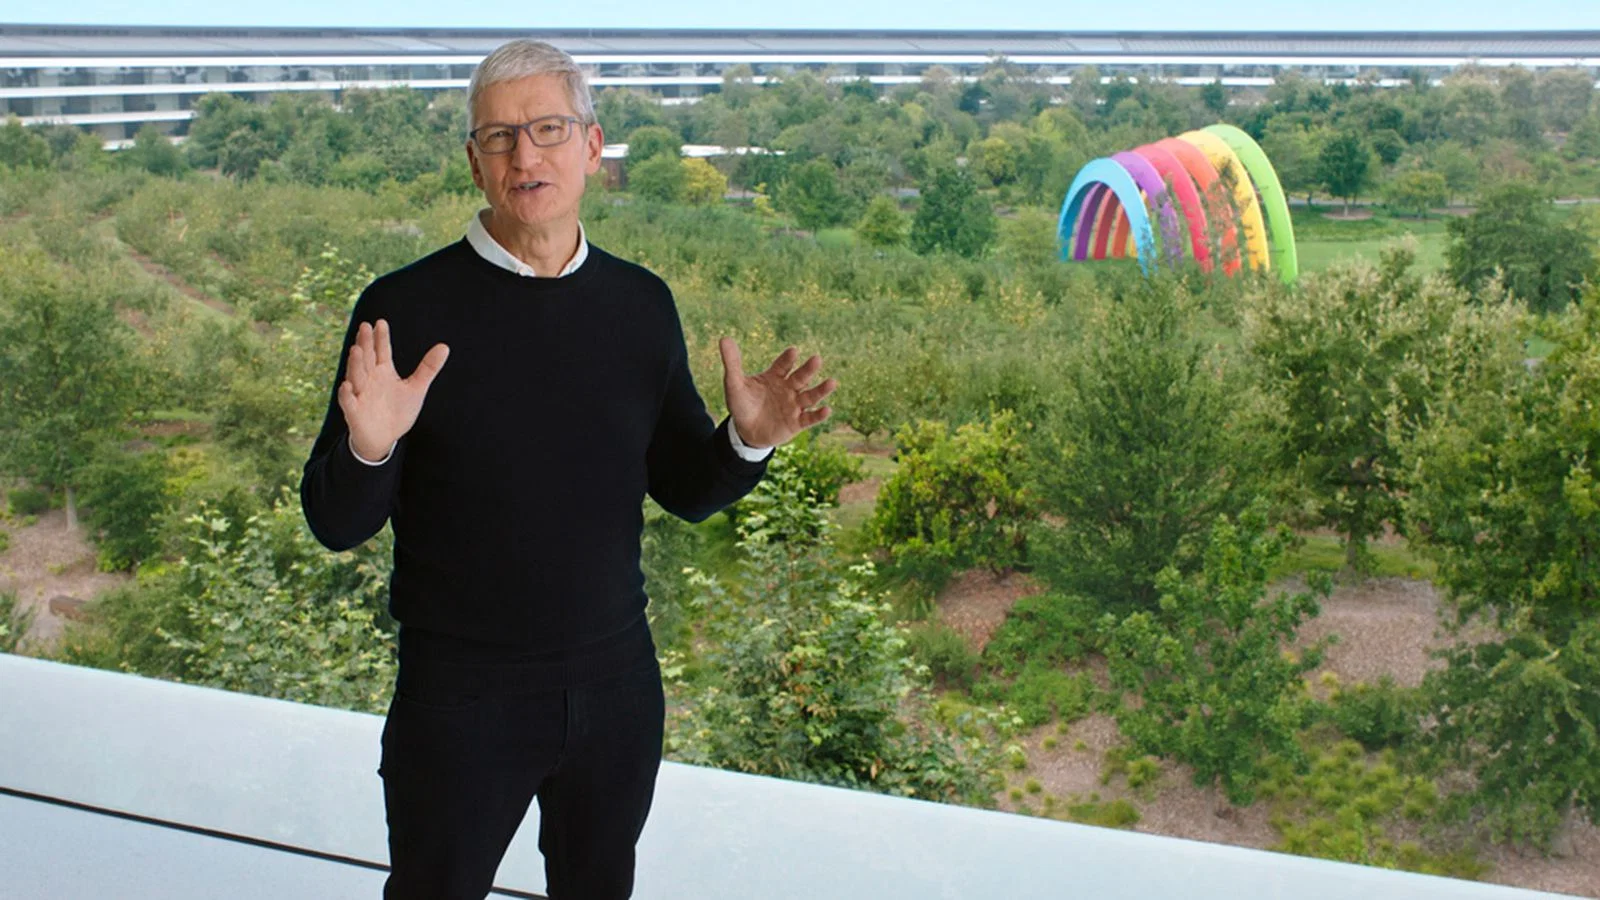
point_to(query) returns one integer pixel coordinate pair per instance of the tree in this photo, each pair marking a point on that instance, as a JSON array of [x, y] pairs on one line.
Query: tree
[[154, 153], [1416, 190], [1458, 166], [242, 153], [812, 195], [661, 178], [882, 225], [1345, 166], [1353, 362], [1219, 688], [1295, 153], [1542, 261], [953, 217], [1565, 96], [995, 158], [1584, 141], [65, 376], [1143, 449], [1214, 97], [703, 185], [1507, 501], [22, 147], [649, 141]]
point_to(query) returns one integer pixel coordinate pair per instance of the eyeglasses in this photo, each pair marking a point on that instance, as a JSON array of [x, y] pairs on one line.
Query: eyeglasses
[[546, 131]]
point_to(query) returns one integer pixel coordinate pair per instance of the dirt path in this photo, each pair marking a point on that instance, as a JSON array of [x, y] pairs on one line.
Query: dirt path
[[51, 570], [162, 273]]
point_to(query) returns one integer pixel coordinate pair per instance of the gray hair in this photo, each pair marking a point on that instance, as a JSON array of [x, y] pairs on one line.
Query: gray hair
[[523, 58]]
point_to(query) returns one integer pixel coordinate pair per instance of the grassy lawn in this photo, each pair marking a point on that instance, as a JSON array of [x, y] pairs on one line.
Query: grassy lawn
[[1322, 241], [1325, 554]]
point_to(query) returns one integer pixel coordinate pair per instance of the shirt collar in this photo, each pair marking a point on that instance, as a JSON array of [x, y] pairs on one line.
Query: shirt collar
[[489, 248]]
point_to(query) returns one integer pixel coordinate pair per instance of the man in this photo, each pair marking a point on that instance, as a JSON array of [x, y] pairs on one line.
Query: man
[[526, 667]]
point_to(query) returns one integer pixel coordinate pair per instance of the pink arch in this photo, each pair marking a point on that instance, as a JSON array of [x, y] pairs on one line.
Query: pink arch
[[1205, 175], [1179, 180]]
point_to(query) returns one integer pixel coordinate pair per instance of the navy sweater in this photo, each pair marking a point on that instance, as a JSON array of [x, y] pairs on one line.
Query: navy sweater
[[516, 497]]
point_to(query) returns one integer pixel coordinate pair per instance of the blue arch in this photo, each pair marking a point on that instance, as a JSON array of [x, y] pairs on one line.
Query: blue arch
[[1111, 174]]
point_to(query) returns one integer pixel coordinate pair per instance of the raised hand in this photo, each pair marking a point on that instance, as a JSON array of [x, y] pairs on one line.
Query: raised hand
[[773, 406], [379, 406]]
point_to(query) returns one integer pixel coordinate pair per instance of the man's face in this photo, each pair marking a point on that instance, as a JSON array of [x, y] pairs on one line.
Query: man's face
[[536, 186]]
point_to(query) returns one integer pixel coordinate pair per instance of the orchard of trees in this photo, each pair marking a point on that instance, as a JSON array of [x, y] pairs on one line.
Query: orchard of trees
[[1153, 452]]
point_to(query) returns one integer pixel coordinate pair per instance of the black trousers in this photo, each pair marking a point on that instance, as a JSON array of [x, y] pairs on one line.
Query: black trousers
[[460, 769]]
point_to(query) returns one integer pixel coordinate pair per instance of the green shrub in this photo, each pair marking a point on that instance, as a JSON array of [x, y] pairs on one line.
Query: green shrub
[[1217, 689], [955, 500], [809, 681], [126, 496], [15, 620], [944, 651], [28, 501], [1049, 628], [1040, 693], [803, 478], [1115, 814], [5, 540], [1378, 716], [1343, 807]]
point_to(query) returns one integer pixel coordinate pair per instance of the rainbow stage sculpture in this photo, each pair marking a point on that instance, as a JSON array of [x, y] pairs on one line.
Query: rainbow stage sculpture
[[1216, 180]]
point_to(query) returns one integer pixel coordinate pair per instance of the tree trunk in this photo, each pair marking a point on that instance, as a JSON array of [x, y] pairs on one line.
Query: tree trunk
[[72, 510], [1352, 543]]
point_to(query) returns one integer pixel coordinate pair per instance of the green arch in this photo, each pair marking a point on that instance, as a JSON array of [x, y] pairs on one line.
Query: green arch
[[1275, 207]]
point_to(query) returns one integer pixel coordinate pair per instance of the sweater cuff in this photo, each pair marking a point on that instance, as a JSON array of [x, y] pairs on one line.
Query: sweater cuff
[[371, 462], [752, 454], [729, 459]]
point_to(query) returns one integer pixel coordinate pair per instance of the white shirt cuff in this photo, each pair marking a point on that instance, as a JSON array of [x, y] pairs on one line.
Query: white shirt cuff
[[385, 456], [748, 454]]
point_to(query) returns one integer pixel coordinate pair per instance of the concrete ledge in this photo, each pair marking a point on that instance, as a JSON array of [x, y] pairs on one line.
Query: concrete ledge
[[301, 783]]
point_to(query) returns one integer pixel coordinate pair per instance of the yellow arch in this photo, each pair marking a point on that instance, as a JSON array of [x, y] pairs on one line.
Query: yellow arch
[[1244, 193]]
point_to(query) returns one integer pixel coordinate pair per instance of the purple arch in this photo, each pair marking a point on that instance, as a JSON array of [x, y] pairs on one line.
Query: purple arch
[[1156, 196]]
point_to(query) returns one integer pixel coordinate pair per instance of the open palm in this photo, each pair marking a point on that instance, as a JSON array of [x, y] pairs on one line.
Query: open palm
[[379, 406], [771, 407]]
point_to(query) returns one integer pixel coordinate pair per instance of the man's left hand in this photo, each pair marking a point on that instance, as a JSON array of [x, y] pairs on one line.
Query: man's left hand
[[771, 407]]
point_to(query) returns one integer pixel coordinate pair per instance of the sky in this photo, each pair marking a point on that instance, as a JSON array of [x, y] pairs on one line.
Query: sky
[[1060, 15]]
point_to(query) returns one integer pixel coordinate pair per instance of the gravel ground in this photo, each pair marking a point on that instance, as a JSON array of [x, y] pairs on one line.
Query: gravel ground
[[45, 561], [1385, 625]]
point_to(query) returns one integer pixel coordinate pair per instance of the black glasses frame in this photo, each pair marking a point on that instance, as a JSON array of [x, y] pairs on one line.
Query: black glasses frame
[[517, 130]]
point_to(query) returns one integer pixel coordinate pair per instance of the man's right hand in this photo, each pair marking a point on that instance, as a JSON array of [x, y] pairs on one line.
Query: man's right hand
[[379, 406]]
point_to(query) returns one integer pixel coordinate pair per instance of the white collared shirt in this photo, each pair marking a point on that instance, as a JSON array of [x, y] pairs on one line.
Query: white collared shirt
[[482, 241]]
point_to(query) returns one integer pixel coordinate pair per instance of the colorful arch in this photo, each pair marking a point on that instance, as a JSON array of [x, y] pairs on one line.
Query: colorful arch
[[1274, 205], [1115, 179], [1123, 203], [1237, 178], [1182, 187]]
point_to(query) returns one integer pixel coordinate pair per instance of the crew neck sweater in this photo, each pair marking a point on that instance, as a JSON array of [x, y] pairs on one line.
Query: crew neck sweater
[[516, 497]]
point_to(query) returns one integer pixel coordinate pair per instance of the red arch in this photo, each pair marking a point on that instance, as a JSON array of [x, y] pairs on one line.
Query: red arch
[[1205, 176], [1110, 211], [1182, 184]]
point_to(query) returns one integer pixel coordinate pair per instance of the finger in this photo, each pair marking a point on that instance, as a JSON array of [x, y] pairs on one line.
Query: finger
[[347, 400], [785, 361], [802, 375], [364, 336], [732, 359], [385, 353], [356, 371], [428, 369], [810, 398], [814, 416]]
